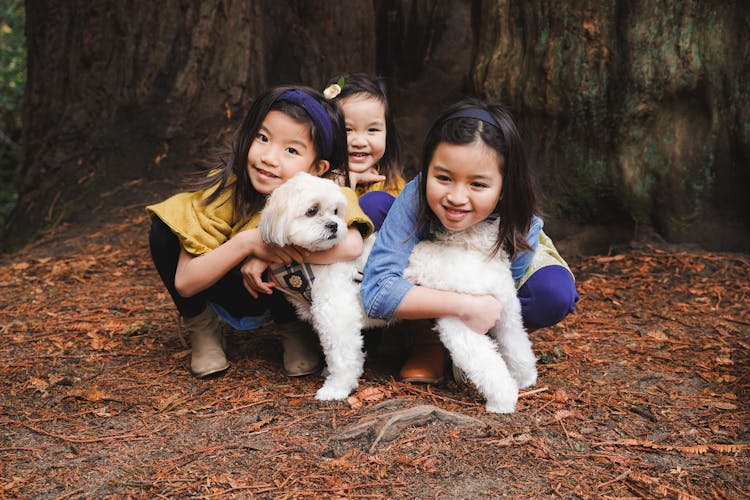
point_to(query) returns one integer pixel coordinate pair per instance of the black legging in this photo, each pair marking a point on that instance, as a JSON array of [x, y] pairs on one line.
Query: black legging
[[228, 292]]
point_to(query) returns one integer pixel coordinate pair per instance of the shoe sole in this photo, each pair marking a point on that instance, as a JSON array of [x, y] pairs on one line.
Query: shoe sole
[[303, 372], [423, 380], [212, 373]]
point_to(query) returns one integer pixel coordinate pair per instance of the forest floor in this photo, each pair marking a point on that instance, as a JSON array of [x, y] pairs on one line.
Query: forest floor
[[643, 392]]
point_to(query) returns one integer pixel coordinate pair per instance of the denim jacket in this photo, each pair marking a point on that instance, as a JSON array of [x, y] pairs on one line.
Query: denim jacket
[[383, 285]]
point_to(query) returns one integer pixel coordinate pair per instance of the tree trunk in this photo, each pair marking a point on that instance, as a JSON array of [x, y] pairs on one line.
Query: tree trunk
[[634, 113], [121, 90], [632, 110]]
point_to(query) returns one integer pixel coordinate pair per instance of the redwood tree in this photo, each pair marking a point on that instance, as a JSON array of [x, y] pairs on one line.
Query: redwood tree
[[125, 90], [634, 113]]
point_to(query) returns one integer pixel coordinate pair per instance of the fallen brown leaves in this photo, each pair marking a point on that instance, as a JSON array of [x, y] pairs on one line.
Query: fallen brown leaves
[[642, 392]]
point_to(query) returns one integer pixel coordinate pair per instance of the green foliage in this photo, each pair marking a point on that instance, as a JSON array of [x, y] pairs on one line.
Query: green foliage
[[12, 60], [12, 82]]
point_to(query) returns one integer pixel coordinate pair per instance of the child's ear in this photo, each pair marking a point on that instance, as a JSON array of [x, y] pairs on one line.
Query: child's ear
[[321, 167]]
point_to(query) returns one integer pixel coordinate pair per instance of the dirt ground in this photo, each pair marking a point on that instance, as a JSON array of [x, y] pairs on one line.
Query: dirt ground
[[643, 392]]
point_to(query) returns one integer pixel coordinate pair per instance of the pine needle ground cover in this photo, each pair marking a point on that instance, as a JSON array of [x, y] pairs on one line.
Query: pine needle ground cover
[[643, 392]]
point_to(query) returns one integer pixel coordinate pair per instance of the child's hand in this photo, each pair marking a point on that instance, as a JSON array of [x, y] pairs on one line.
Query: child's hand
[[252, 277], [280, 255], [481, 312], [369, 176]]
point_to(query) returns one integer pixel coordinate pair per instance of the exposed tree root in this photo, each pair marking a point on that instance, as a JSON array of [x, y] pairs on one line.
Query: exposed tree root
[[386, 426]]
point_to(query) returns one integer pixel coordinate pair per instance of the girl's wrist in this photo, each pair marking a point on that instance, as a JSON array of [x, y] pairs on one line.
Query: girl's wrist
[[464, 305], [252, 241]]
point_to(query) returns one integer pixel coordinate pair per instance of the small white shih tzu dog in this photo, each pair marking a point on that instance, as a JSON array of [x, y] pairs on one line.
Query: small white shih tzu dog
[[502, 361], [308, 211]]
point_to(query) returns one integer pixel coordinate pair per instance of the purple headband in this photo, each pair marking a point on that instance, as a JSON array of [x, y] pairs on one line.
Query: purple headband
[[317, 113], [476, 113]]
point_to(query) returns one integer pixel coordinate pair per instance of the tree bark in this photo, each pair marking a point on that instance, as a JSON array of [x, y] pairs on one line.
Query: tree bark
[[632, 110], [123, 90], [634, 113]]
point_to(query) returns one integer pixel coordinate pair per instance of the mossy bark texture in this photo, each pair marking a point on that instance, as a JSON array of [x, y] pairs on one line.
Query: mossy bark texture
[[634, 112], [125, 90]]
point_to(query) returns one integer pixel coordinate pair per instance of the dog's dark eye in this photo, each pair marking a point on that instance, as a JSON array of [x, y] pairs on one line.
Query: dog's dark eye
[[335, 211], [312, 211]]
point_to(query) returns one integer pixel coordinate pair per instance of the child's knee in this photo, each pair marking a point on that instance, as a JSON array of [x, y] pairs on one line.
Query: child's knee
[[547, 297]]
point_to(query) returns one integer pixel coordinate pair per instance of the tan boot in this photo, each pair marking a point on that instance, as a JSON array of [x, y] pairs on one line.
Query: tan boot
[[428, 355], [207, 357], [302, 354]]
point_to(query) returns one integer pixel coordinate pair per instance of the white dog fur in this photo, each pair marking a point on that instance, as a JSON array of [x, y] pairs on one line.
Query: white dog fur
[[308, 211], [500, 363]]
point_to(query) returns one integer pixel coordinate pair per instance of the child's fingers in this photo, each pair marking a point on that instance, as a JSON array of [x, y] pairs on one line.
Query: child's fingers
[[285, 255], [250, 289], [265, 287], [372, 175], [294, 254], [301, 254], [255, 286]]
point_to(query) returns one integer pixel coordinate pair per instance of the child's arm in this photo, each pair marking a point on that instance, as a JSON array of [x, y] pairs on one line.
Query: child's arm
[[254, 267], [196, 273], [385, 292], [479, 312], [383, 283], [520, 262]]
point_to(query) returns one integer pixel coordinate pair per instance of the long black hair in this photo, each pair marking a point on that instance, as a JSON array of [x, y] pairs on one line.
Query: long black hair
[[517, 202], [232, 174]]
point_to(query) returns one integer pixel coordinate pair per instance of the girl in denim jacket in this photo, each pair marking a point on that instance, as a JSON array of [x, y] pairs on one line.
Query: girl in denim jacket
[[473, 166]]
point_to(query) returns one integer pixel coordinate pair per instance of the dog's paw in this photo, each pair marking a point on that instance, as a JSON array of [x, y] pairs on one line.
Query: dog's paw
[[501, 405], [332, 392], [526, 377], [499, 408]]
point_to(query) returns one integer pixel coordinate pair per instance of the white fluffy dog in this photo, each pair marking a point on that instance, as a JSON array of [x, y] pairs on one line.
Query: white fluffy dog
[[499, 363], [308, 211]]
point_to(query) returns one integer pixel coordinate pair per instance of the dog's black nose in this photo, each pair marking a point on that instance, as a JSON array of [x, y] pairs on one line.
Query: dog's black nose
[[332, 227]]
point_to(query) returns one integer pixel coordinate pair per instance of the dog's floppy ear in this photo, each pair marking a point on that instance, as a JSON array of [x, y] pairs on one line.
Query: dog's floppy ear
[[275, 216]]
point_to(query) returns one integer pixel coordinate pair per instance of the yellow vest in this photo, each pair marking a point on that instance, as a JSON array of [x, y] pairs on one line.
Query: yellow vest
[[202, 227], [546, 255], [380, 186]]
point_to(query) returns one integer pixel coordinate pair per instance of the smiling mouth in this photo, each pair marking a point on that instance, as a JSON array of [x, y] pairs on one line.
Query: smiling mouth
[[453, 214], [359, 155], [266, 173]]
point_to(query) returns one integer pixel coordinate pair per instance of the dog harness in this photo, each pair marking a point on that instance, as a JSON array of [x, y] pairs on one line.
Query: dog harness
[[294, 280]]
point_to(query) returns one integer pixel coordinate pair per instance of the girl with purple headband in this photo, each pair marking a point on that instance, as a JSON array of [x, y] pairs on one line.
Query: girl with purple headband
[[473, 167], [206, 245]]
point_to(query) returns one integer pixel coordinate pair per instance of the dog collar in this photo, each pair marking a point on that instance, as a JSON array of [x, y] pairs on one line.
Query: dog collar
[[294, 280]]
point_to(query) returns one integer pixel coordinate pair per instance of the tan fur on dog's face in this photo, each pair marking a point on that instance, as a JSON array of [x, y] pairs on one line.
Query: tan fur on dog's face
[[306, 211]]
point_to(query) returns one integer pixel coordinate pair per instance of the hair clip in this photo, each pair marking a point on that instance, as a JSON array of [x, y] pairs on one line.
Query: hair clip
[[334, 89]]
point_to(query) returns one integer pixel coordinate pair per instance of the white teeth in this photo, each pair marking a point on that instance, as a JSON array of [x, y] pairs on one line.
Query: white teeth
[[266, 172]]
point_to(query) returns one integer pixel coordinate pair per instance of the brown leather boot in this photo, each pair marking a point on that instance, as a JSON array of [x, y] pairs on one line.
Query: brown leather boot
[[428, 356], [207, 356]]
